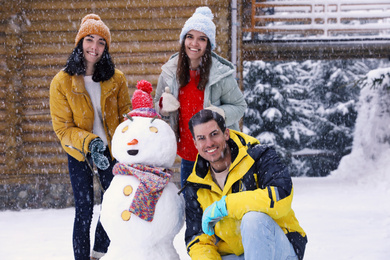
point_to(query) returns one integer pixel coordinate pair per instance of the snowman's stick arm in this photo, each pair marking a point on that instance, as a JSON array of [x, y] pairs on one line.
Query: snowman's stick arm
[[89, 165]]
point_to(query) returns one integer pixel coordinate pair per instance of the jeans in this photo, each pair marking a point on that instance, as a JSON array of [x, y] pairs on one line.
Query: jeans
[[262, 238], [185, 170], [81, 178]]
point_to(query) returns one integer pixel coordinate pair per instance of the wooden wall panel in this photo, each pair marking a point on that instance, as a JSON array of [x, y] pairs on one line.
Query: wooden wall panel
[[3, 92], [36, 38]]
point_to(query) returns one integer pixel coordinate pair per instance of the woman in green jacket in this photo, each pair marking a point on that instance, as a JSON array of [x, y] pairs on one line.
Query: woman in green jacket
[[87, 100], [197, 78]]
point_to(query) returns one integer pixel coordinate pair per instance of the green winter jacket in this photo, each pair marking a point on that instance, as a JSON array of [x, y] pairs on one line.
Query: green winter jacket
[[221, 90]]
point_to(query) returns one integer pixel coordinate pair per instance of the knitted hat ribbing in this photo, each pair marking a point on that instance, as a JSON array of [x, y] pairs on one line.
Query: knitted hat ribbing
[[92, 24], [202, 21]]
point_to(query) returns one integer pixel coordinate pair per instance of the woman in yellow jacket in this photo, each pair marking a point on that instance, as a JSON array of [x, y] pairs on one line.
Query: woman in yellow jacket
[[87, 100]]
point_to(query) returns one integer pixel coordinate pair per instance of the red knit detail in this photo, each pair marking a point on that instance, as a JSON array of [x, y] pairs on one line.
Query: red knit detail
[[145, 86], [191, 101], [142, 97]]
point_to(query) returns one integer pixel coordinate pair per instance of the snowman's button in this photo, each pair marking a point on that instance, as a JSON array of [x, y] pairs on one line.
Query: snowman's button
[[126, 215], [127, 190]]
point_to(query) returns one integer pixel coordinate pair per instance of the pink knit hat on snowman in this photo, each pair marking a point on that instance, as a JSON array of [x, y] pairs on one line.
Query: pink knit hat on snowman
[[142, 101]]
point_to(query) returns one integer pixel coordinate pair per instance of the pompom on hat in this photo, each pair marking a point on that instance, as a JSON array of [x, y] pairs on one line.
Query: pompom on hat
[[202, 21], [142, 101], [92, 24], [142, 96]]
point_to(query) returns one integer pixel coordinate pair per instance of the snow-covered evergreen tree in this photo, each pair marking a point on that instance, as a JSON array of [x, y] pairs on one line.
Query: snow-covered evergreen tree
[[307, 110], [274, 107]]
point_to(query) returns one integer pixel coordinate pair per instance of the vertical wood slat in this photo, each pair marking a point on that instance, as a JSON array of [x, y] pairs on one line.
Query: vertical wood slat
[[3, 88], [12, 99]]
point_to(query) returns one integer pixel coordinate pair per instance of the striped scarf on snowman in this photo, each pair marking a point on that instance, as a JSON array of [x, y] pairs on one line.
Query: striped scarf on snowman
[[153, 181]]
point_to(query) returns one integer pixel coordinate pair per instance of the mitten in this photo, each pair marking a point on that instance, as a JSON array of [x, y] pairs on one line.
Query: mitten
[[213, 213], [97, 148], [168, 103], [217, 110]]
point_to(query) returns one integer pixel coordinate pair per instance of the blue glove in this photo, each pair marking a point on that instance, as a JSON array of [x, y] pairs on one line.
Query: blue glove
[[97, 148], [214, 213]]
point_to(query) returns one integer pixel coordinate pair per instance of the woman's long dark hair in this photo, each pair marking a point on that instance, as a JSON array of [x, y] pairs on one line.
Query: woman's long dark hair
[[104, 68], [183, 67]]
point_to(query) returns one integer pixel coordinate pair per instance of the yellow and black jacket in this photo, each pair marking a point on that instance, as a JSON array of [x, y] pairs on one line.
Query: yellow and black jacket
[[257, 181]]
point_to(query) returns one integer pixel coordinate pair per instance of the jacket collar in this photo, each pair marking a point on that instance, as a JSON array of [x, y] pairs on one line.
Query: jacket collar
[[241, 162], [220, 68], [78, 85]]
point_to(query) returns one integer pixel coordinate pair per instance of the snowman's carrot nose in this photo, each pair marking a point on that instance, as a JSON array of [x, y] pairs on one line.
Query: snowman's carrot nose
[[133, 142]]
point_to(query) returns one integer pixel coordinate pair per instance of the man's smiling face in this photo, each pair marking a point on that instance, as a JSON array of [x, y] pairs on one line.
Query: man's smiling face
[[211, 142]]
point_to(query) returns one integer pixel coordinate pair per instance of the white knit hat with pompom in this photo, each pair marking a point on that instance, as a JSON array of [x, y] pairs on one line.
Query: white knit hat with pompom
[[202, 21]]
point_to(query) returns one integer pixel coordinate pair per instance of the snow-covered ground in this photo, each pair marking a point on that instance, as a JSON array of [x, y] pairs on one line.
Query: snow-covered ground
[[345, 215], [343, 220]]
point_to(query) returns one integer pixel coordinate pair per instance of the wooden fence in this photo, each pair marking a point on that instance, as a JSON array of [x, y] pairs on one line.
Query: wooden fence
[[331, 18], [36, 38], [316, 29]]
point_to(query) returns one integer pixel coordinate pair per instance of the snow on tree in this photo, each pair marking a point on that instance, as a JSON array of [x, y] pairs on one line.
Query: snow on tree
[[307, 110], [371, 141]]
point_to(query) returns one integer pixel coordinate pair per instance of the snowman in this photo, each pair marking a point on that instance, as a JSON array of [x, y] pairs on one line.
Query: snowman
[[141, 210]]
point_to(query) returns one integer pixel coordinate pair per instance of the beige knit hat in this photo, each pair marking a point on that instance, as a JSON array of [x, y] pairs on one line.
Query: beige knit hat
[[92, 24]]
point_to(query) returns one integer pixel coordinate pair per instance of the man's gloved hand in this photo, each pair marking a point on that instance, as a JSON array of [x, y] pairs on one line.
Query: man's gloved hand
[[97, 148], [168, 103], [214, 213]]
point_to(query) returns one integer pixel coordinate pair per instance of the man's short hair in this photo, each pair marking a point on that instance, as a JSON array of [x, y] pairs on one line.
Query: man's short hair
[[204, 116]]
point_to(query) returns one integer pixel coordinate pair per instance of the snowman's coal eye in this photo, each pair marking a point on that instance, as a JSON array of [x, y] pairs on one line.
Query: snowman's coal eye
[[125, 129], [153, 129]]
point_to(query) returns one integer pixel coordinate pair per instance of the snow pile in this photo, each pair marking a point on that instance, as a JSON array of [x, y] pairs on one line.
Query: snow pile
[[369, 160]]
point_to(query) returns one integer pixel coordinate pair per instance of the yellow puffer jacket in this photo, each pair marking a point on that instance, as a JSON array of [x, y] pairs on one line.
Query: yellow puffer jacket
[[72, 112], [257, 181]]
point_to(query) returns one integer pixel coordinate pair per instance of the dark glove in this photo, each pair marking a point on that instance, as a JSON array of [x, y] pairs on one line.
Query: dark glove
[[97, 148], [213, 213]]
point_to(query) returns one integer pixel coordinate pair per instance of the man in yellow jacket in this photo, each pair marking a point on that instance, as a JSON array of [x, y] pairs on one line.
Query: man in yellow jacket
[[238, 197]]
